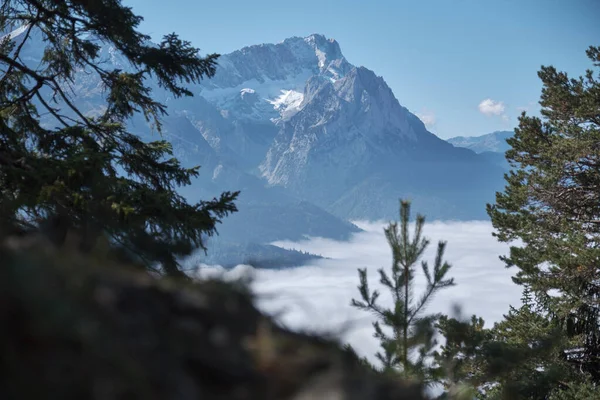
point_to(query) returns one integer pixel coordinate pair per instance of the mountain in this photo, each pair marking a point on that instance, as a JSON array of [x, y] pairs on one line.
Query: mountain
[[335, 135], [311, 140], [493, 142]]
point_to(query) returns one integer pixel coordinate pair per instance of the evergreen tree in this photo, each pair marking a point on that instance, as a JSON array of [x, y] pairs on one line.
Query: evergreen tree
[[519, 358], [89, 174], [524, 354], [408, 348], [583, 391], [551, 204], [460, 356]]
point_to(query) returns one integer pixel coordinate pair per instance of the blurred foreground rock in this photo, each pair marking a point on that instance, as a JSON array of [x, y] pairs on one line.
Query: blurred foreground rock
[[73, 327]]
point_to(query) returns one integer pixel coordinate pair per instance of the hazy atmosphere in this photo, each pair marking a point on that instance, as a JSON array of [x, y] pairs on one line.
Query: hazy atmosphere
[[308, 200]]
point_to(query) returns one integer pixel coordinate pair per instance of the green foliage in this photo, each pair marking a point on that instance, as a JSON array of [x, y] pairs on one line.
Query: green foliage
[[363, 361], [412, 331], [524, 354], [459, 357], [89, 174], [519, 358], [584, 391], [551, 204]]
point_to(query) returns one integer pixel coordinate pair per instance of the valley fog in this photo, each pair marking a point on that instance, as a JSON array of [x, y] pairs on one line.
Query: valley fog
[[316, 297]]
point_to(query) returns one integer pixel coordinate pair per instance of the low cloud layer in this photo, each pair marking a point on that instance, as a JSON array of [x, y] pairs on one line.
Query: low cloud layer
[[317, 297]]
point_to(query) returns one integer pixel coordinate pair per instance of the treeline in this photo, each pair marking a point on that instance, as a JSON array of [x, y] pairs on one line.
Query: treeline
[[230, 255], [88, 184]]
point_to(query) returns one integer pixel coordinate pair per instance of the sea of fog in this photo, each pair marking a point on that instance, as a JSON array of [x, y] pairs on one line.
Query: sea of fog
[[316, 297]]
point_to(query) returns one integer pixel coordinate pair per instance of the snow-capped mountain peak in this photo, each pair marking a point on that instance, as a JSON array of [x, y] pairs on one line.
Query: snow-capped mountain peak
[[327, 51], [276, 72]]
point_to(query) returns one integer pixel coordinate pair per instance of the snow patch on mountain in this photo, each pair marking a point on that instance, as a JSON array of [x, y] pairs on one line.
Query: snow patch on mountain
[[247, 91], [288, 103], [273, 97], [321, 57], [267, 88]]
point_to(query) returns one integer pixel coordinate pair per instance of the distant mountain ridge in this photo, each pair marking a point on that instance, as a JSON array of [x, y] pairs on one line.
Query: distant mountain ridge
[[494, 142], [491, 146]]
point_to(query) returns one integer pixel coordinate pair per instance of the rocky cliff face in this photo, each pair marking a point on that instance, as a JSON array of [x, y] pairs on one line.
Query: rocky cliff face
[[345, 130]]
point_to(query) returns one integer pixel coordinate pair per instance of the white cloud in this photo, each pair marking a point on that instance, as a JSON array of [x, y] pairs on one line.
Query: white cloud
[[491, 107], [428, 118], [317, 297]]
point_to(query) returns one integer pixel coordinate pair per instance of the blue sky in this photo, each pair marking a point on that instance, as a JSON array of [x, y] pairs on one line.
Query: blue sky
[[467, 67]]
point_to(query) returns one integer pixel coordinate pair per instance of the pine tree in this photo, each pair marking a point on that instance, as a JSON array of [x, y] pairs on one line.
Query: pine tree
[[583, 391], [552, 205], [409, 347], [524, 354], [460, 356], [520, 357], [89, 174]]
